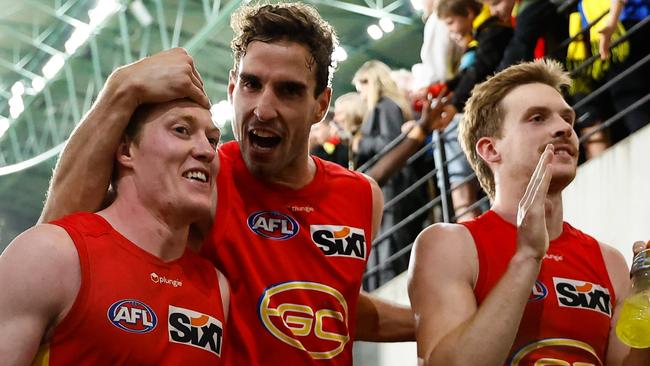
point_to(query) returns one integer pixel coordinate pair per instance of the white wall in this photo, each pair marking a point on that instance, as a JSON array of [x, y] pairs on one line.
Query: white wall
[[609, 199], [384, 354]]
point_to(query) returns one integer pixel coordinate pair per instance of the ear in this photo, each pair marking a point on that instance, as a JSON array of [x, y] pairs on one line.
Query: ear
[[323, 105], [487, 150], [123, 153], [232, 80]]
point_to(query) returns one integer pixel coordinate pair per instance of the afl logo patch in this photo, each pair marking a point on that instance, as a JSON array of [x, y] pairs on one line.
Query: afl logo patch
[[539, 292], [273, 225], [132, 316]]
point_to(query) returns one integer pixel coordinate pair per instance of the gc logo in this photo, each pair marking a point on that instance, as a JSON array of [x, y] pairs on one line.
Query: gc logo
[[556, 351], [307, 315]]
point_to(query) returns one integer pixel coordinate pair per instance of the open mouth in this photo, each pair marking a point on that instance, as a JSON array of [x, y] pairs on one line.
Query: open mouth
[[563, 150], [264, 139], [196, 175]]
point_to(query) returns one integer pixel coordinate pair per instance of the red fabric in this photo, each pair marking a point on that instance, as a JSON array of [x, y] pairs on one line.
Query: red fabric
[[573, 273], [114, 269], [263, 240], [540, 49]]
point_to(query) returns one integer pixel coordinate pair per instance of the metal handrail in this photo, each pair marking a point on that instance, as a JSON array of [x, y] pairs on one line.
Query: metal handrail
[[438, 200]]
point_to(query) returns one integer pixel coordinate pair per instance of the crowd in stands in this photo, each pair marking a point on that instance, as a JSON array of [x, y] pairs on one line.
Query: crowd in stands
[[464, 42]]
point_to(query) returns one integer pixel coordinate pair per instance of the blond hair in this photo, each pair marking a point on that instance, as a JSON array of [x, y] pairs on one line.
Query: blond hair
[[483, 116], [354, 108], [380, 84]]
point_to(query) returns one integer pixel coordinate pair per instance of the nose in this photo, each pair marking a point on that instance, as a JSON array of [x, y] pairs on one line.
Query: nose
[[265, 107], [562, 128], [203, 150]]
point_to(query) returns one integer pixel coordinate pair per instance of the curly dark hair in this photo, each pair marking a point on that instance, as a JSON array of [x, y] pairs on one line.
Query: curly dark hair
[[295, 22]]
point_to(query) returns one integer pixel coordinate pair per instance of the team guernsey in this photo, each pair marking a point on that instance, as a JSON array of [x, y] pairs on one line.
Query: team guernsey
[[568, 315], [294, 260], [134, 309]]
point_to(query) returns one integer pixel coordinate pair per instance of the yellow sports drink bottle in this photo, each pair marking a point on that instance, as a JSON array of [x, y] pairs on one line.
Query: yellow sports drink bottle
[[633, 327]]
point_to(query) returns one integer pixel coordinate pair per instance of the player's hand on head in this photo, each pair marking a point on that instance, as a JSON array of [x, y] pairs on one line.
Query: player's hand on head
[[165, 76], [532, 235]]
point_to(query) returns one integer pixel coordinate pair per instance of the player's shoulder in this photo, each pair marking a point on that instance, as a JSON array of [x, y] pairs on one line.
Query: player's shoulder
[[614, 259], [445, 243], [44, 246], [42, 238], [44, 260]]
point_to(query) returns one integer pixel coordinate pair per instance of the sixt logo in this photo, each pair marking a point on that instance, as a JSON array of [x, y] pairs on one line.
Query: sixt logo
[[539, 292], [309, 316], [195, 329], [583, 295], [339, 241], [132, 316], [273, 225]]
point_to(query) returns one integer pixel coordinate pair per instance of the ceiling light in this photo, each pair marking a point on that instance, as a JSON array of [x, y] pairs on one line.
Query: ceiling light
[[16, 106], [103, 10], [386, 24], [417, 4], [53, 66], [141, 13], [221, 113], [77, 38], [339, 54], [375, 32], [4, 125], [38, 83], [18, 88]]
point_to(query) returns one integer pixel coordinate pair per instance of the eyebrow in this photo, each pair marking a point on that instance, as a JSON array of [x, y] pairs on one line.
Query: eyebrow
[[544, 109], [293, 84], [248, 77]]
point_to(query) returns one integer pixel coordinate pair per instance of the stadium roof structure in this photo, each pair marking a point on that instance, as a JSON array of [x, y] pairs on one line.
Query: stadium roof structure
[[56, 54]]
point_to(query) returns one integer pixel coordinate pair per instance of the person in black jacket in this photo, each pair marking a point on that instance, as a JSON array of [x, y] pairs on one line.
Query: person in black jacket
[[387, 110], [485, 38]]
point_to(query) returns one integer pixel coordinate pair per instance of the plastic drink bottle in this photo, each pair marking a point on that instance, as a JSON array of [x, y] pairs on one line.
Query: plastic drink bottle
[[633, 327]]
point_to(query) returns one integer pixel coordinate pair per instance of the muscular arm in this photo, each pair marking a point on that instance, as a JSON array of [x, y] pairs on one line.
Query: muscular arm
[[451, 328], [379, 320], [83, 172], [39, 278]]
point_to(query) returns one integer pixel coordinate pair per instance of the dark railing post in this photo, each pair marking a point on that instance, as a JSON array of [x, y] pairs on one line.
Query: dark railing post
[[440, 159]]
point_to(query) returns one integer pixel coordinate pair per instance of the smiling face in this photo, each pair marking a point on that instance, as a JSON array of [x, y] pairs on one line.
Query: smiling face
[[272, 92], [536, 115], [172, 163], [501, 8], [459, 26]]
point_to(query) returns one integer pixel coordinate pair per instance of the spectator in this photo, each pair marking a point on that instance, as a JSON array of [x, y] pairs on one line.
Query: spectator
[[612, 62], [324, 142], [349, 110], [533, 19], [440, 56], [387, 111]]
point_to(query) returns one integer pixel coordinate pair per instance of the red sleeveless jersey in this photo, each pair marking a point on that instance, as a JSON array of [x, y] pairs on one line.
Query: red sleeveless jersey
[[134, 309], [568, 316], [294, 260]]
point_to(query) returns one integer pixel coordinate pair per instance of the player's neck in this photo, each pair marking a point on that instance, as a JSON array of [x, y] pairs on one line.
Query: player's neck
[[506, 205], [295, 176], [161, 235]]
